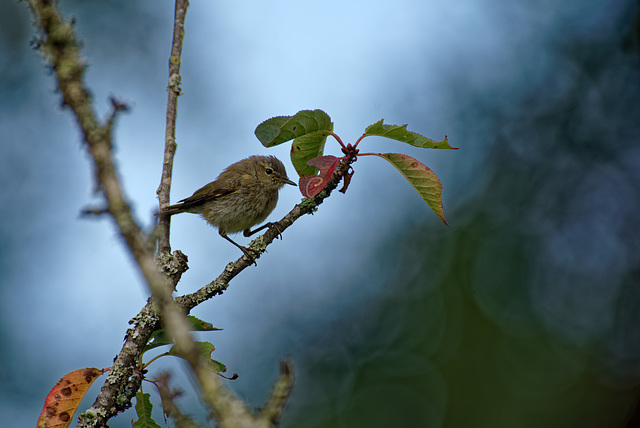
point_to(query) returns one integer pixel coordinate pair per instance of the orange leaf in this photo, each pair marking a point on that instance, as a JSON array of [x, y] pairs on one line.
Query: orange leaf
[[64, 398]]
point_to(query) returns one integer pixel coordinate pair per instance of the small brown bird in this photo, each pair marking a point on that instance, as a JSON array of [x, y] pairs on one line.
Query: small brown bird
[[243, 195]]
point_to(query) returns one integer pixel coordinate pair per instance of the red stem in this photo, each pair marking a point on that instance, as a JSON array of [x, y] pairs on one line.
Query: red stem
[[358, 140], [338, 139]]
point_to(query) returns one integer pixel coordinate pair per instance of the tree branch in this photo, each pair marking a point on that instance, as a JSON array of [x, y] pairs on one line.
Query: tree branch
[[260, 244]]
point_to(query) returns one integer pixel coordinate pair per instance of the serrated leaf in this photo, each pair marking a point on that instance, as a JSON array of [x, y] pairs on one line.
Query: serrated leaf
[[206, 348], [281, 129], [311, 185], [400, 133], [305, 148], [64, 398], [143, 409], [200, 325], [217, 366], [421, 178], [269, 130]]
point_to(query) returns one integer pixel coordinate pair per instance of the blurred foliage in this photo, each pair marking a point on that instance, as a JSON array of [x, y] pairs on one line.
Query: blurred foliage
[[524, 313]]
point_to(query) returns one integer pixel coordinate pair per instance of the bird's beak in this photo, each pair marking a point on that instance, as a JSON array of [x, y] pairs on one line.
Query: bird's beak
[[287, 181]]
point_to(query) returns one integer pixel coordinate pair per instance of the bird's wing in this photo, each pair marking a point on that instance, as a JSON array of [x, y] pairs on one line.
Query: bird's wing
[[204, 194]]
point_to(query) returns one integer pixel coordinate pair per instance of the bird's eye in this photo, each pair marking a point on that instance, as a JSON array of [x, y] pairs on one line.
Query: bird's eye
[[268, 171]]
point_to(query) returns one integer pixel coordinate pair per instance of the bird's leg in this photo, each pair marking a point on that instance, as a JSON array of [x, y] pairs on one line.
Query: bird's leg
[[245, 250], [270, 225], [248, 232]]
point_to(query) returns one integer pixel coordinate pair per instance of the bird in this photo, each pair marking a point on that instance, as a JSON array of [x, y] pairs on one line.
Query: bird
[[243, 195]]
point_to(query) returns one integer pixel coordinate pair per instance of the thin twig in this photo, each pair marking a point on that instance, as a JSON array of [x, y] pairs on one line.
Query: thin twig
[[273, 408], [213, 392], [174, 91], [169, 405]]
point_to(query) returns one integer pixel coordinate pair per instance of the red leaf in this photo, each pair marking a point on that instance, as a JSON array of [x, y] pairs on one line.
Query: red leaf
[[311, 185]]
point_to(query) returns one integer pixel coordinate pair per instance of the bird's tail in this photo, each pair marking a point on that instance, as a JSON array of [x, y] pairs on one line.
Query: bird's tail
[[172, 209]]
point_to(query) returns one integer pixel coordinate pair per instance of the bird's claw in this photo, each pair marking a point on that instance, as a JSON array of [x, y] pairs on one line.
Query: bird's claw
[[250, 256]]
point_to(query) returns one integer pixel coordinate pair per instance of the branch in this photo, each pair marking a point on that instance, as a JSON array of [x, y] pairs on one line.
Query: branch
[[169, 406], [173, 89], [225, 406], [273, 408], [260, 244]]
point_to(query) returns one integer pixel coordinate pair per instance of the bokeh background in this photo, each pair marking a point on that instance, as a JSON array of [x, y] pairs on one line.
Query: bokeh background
[[525, 312]]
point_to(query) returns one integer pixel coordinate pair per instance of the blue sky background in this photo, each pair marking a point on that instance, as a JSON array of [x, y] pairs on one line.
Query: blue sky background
[[522, 313]]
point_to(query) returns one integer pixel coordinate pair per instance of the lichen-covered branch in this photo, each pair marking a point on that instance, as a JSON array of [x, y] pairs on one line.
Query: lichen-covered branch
[[259, 245]]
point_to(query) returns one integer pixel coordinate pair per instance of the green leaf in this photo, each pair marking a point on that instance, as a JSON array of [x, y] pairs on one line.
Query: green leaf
[[143, 409], [421, 178], [400, 133], [200, 325], [206, 348], [281, 129], [158, 338], [217, 366], [270, 129], [305, 148]]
